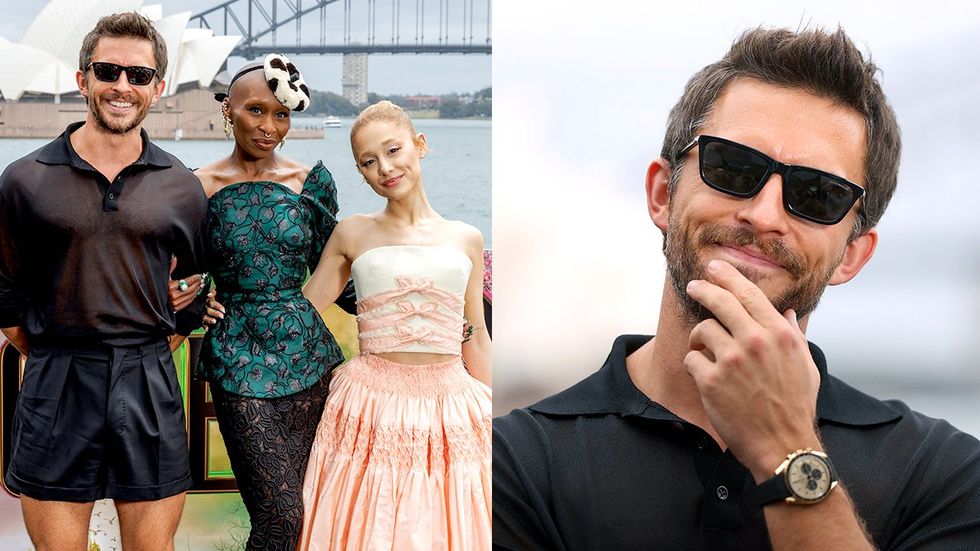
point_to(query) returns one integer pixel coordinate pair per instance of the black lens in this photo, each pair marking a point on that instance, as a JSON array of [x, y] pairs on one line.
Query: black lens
[[732, 169], [106, 72], [820, 197], [109, 72], [140, 76]]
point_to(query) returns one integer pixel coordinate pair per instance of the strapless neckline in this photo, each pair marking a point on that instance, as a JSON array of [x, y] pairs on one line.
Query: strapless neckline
[[383, 247]]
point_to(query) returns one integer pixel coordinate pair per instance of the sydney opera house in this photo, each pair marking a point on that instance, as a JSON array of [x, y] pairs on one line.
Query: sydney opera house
[[37, 74]]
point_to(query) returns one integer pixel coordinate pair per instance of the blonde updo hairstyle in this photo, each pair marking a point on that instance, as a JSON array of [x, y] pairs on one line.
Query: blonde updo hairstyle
[[384, 110]]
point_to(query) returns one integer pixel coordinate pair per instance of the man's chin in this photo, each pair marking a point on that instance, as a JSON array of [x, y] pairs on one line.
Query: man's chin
[[117, 126]]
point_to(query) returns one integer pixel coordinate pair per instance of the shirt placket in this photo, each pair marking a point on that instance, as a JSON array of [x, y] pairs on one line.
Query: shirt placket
[[724, 481]]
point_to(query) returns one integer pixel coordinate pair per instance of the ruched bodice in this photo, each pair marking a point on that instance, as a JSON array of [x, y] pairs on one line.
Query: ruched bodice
[[410, 298], [262, 238]]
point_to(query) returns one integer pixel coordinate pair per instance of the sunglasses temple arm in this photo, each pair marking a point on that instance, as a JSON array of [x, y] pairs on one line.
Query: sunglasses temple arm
[[689, 146]]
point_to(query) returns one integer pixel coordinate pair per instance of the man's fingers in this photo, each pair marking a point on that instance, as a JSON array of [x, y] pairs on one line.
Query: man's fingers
[[701, 368], [790, 316], [748, 294], [709, 335], [722, 303]]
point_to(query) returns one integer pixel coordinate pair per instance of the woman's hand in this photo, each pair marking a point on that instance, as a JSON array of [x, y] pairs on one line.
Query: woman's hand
[[213, 310], [183, 292]]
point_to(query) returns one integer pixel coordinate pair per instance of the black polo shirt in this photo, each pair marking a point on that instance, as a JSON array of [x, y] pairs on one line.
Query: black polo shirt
[[601, 466], [83, 258]]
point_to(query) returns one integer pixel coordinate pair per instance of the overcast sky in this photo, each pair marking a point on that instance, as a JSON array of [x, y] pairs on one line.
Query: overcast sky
[[387, 74]]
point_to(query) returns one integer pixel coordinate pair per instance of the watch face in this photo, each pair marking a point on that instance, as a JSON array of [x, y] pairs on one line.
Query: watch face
[[808, 477]]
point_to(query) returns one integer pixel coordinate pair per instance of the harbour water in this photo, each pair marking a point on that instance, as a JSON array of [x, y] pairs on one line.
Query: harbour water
[[456, 169]]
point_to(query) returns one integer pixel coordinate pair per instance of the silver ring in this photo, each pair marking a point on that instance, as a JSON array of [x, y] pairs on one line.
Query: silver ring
[[204, 278], [182, 285]]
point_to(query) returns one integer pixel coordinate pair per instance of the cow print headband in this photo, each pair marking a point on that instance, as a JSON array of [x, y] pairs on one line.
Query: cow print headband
[[284, 80]]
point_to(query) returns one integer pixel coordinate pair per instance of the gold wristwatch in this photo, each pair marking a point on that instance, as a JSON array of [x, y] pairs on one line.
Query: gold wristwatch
[[805, 477]]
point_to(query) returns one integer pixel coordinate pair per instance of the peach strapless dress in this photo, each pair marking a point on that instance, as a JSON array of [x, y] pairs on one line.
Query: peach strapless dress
[[401, 459]]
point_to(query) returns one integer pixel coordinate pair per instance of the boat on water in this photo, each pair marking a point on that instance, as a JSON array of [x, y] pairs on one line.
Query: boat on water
[[332, 122]]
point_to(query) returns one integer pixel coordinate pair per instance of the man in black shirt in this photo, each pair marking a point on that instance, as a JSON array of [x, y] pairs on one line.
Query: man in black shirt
[[88, 226], [725, 431]]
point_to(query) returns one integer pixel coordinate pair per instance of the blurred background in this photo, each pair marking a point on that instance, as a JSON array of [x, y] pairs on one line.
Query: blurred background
[[582, 95]]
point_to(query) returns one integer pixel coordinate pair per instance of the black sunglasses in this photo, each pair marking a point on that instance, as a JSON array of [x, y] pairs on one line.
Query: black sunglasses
[[109, 72], [739, 170]]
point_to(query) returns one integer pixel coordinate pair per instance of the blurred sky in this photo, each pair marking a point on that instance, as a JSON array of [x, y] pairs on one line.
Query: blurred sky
[[387, 74], [582, 90]]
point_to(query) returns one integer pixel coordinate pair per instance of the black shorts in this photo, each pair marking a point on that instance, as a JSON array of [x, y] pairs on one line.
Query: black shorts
[[96, 422]]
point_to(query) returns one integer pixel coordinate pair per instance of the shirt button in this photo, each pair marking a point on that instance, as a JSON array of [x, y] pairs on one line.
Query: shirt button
[[701, 443], [722, 493], [112, 196]]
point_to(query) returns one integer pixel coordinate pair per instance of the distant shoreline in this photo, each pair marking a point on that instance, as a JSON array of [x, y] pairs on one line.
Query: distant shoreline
[[422, 114]]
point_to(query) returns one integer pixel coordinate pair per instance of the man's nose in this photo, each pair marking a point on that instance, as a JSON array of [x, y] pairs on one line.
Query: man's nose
[[122, 83], [765, 211]]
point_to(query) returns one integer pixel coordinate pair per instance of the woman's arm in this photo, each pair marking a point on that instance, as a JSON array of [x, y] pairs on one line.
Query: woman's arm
[[478, 350], [332, 271]]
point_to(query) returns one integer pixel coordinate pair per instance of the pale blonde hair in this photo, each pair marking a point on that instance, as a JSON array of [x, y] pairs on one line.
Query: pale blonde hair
[[383, 110]]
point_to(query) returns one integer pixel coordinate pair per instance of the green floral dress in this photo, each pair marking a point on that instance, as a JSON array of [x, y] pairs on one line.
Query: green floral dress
[[262, 238]]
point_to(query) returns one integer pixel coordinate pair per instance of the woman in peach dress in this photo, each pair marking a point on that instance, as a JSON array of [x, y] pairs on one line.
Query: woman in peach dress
[[401, 458]]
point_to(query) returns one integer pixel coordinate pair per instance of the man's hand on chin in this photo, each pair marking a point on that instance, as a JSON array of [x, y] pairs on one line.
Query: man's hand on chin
[[753, 369]]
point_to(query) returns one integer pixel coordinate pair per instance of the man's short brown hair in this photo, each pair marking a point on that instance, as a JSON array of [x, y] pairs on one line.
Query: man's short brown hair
[[826, 64], [126, 24]]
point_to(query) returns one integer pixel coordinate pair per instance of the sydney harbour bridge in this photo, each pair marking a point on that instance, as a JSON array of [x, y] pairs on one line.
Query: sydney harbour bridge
[[349, 26], [353, 28]]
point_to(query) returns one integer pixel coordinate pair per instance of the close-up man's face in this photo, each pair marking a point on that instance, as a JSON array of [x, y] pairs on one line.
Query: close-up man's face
[[119, 107], [791, 259]]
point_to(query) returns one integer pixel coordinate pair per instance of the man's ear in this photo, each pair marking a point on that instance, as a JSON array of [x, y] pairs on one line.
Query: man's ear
[[658, 195], [82, 83], [158, 92], [856, 255]]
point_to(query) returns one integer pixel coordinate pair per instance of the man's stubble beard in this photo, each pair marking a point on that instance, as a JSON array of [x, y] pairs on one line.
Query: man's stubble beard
[[115, 126], [684, 264]]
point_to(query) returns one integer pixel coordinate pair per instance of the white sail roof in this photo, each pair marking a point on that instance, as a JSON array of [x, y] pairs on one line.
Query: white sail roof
[[26, 68], [46, 60], [62, 24]]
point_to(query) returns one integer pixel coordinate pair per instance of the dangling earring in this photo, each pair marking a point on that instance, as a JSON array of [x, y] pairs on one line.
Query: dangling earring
[[226, 119], [282, 143]]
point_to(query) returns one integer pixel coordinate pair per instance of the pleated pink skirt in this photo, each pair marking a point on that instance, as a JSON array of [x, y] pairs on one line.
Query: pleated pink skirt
[[401, 460]]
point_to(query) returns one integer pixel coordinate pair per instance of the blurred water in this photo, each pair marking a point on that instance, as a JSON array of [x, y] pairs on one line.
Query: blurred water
[[456, 169]]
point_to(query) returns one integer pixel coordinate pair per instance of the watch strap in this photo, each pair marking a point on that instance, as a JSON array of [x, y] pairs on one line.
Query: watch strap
[[770, 491]]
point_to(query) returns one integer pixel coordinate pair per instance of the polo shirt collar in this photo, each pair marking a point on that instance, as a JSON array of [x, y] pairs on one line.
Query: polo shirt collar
[[60, 152], [611, 391]]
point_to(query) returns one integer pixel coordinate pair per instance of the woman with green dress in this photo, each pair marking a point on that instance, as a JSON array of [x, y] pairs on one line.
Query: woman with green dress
[[268, 359]]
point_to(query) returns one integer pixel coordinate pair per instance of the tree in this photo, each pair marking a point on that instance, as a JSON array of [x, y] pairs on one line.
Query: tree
[[452, 108], [328, 103]]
